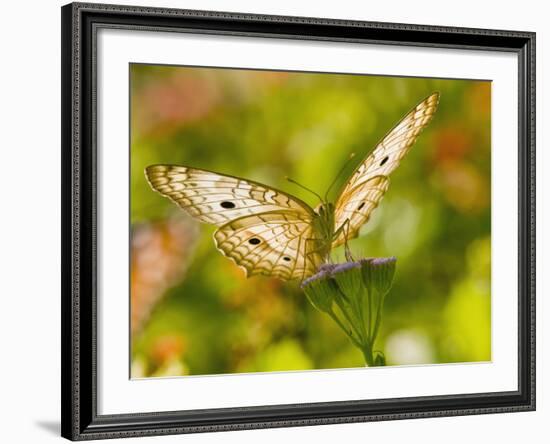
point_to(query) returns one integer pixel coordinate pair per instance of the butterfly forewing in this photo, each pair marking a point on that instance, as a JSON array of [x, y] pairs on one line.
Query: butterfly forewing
[[215, 198], [367, 185]]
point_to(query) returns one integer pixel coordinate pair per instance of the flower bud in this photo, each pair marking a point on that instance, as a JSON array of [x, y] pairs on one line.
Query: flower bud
[[378, 273], [349, 279], [321, 289]]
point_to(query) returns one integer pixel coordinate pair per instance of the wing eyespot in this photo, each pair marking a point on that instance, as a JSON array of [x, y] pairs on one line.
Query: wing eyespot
[[227, 205], [286, 258], [361, 205], [254, 241], [384, 160]]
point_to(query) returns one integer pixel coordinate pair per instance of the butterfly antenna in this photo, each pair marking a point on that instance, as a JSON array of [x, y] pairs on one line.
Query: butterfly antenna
[[352, 155], [303, 187]]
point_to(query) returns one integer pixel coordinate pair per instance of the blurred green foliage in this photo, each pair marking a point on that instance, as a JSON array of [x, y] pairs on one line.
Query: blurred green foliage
[[194, 312]]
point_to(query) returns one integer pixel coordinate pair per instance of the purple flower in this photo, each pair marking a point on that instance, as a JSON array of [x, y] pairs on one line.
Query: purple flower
[[377, 261], [324, 272], [339, 268]]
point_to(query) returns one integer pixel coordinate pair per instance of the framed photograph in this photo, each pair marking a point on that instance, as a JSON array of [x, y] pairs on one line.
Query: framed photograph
[[281, 221]]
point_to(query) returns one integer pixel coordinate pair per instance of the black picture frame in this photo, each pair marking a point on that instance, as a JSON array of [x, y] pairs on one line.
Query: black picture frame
[[79, 208]]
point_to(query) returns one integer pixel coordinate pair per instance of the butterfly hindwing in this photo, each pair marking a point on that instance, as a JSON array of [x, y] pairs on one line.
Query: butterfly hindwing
[[276, 243], [367, 185], [358, 207]]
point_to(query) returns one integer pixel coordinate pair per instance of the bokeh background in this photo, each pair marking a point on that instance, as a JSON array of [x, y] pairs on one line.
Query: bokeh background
[[194, 312]]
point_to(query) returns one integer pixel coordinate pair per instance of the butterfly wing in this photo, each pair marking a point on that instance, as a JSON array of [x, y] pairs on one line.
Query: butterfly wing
[[244, 210], [367, 185], [216, 198], [276, 243]]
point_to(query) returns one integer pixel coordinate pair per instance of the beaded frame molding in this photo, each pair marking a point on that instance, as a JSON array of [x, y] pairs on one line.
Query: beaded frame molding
[[80, 420]]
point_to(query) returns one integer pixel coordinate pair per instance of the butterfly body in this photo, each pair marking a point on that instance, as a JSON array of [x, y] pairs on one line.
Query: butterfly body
[[324, 228], [270, 232]]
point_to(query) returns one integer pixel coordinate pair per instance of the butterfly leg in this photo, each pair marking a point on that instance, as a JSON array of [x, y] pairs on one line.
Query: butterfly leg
[[344, 228], [348, 254], [314, 251], [347, 250]]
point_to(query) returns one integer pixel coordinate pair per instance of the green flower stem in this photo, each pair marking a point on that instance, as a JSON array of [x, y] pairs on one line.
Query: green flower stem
[[343, 327], [367, 353], [370, 336], [378, 318], [349, 318], [361, 314]]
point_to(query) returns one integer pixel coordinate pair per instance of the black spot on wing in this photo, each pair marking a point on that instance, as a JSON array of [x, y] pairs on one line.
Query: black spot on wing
[[227, 205]]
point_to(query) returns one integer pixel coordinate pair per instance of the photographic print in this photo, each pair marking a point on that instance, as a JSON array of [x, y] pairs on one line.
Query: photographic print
[[274, 221], [298, 221]]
